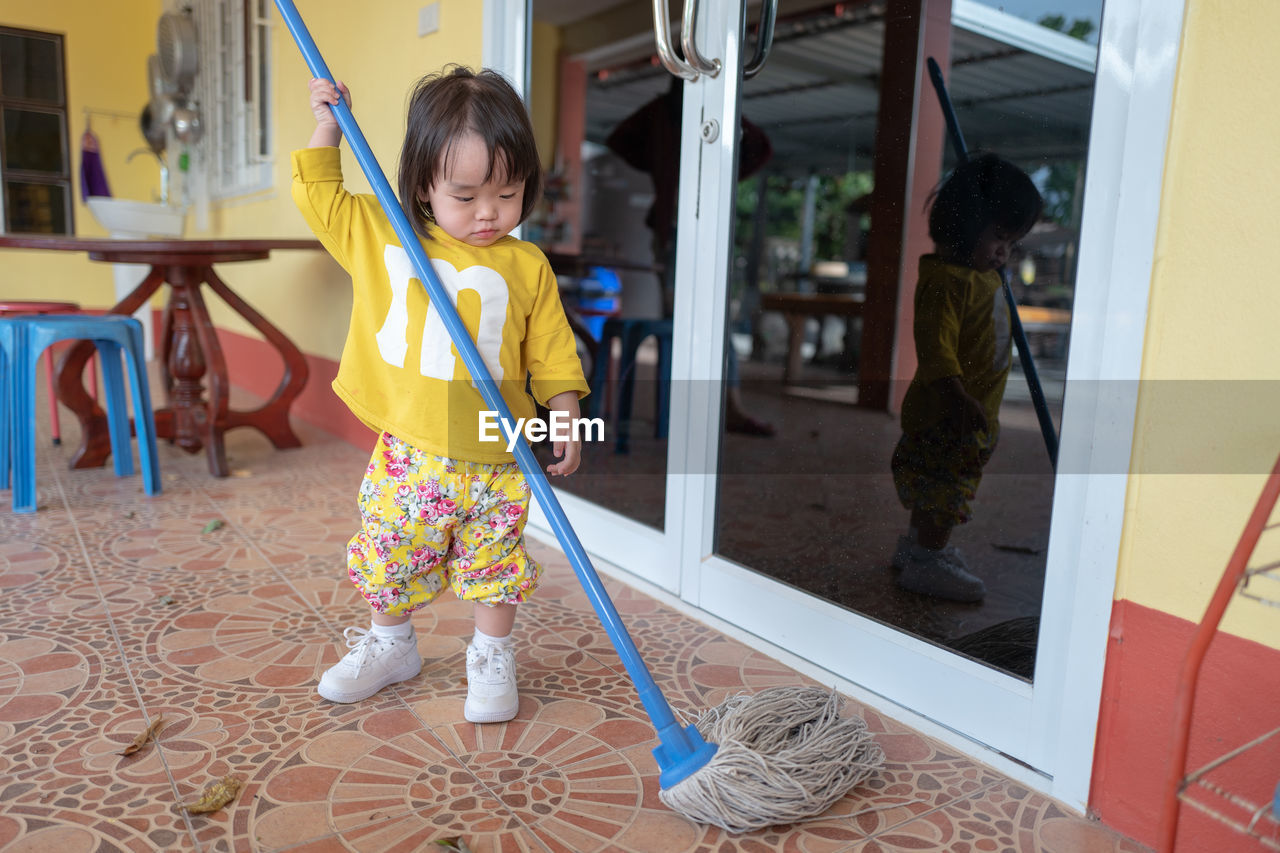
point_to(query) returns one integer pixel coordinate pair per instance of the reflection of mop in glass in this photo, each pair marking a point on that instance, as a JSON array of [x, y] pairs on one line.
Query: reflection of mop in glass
[[1019, 336], [775, 757]]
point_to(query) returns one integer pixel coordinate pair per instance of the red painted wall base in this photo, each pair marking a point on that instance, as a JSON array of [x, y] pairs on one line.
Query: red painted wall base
[[1238, 700]]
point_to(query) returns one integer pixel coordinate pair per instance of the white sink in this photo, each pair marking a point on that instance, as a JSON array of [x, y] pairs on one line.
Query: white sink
[[136, 219]]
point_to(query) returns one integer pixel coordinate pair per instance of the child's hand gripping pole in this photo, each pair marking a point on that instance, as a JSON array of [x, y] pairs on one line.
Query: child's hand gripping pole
[[1019, 336], [682, 750]]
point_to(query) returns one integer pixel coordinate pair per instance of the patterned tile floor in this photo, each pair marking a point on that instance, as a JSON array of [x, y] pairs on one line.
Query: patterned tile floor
[[118, 609]]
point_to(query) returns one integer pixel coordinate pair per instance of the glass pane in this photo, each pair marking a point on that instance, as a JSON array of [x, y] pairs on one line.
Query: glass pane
[[35, 208], [33, 141], [816, 505], [613, 264], [30, 68]]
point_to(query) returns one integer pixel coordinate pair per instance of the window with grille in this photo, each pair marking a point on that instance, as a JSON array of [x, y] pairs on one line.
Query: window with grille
[[35, 156], [233, 88]]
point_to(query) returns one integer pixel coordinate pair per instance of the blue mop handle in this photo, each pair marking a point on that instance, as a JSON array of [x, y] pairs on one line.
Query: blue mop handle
[[683, 750], [948, 111], [1019, 335]]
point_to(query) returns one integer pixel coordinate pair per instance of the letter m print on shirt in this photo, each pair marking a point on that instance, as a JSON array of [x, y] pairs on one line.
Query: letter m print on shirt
[[437, 360]]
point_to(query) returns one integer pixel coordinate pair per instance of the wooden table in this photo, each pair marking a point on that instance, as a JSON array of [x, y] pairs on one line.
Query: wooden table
[[1049, 324], [797, 308], [190, 352]]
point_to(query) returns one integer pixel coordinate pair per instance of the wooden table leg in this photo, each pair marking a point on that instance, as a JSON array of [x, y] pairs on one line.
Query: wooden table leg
[[163, 354], [796, 325], [213, 412], [272, 418], [95, 437], [192, 353]]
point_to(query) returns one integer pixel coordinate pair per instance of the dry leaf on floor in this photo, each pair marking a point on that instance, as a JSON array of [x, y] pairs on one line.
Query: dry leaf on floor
[[212, 526], [141, 740], [241, 472], [215, 796], [456, 844]]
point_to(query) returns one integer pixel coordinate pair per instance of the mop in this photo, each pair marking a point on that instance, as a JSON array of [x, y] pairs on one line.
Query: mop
[[753, 761]]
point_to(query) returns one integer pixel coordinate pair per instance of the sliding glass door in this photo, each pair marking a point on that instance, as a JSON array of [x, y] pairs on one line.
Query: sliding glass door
[[767, 275]]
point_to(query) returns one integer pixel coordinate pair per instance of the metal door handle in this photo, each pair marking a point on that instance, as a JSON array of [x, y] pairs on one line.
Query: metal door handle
[[709, 67], [764, 39], [662, 38]]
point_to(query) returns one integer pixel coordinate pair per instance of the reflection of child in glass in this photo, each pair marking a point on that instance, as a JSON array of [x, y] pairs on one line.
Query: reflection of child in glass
[[441, 508], [649, 140], [962, 339]]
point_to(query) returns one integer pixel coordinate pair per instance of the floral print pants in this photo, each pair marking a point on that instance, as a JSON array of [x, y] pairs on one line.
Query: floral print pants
[[938, 472], [428, 522]]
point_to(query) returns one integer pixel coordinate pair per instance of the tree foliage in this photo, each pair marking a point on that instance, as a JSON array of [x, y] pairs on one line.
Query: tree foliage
[[784, 209], [1080, 28]]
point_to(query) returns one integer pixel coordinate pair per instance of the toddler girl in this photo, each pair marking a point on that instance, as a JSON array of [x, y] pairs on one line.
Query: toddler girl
[[961, 330], [442, 504]]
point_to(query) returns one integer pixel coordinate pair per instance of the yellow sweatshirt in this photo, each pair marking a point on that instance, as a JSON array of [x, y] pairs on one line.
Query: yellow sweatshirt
[[400, 372], [961, 328]]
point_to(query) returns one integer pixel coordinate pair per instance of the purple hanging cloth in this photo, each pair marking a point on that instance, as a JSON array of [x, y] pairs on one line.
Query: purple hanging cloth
[[93, 178]]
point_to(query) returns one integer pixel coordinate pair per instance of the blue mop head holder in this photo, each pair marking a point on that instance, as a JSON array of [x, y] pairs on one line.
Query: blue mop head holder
[[683, 750]]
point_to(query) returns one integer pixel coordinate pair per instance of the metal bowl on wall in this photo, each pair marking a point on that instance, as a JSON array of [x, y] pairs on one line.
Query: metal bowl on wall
[[152, 130], [187, 124]]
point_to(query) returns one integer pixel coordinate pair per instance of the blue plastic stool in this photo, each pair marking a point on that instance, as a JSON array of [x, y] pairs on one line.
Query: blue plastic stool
[[632, 333], [22, 340]]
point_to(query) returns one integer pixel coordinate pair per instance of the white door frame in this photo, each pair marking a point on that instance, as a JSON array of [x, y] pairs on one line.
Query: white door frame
[[1050, 725], [506, 29], [1133, 100]]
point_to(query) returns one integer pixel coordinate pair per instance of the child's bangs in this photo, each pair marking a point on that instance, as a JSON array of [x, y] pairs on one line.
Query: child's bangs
[[509, 154]]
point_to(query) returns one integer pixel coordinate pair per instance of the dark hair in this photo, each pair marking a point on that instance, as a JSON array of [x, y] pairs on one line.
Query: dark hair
[[982, 191], [447, 105]]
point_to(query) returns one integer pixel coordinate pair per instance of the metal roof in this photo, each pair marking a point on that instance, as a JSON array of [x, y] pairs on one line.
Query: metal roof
[[1018, 88]]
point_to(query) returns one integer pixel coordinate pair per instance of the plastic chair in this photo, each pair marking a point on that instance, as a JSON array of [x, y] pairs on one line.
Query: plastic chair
[[23, 306], [599, 297], [22, 340], [632, 333]]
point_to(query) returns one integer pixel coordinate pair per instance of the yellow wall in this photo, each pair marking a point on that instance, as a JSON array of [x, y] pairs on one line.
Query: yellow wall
[[106, 46], [544, 86], [1202, 448]]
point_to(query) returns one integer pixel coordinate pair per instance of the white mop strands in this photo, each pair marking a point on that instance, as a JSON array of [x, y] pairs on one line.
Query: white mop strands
[[785, 754]]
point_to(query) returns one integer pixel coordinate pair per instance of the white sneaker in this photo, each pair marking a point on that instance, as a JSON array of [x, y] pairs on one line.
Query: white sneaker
[[934, 573], [953, 556], [902, 554], [491, 685], [372, 664]]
